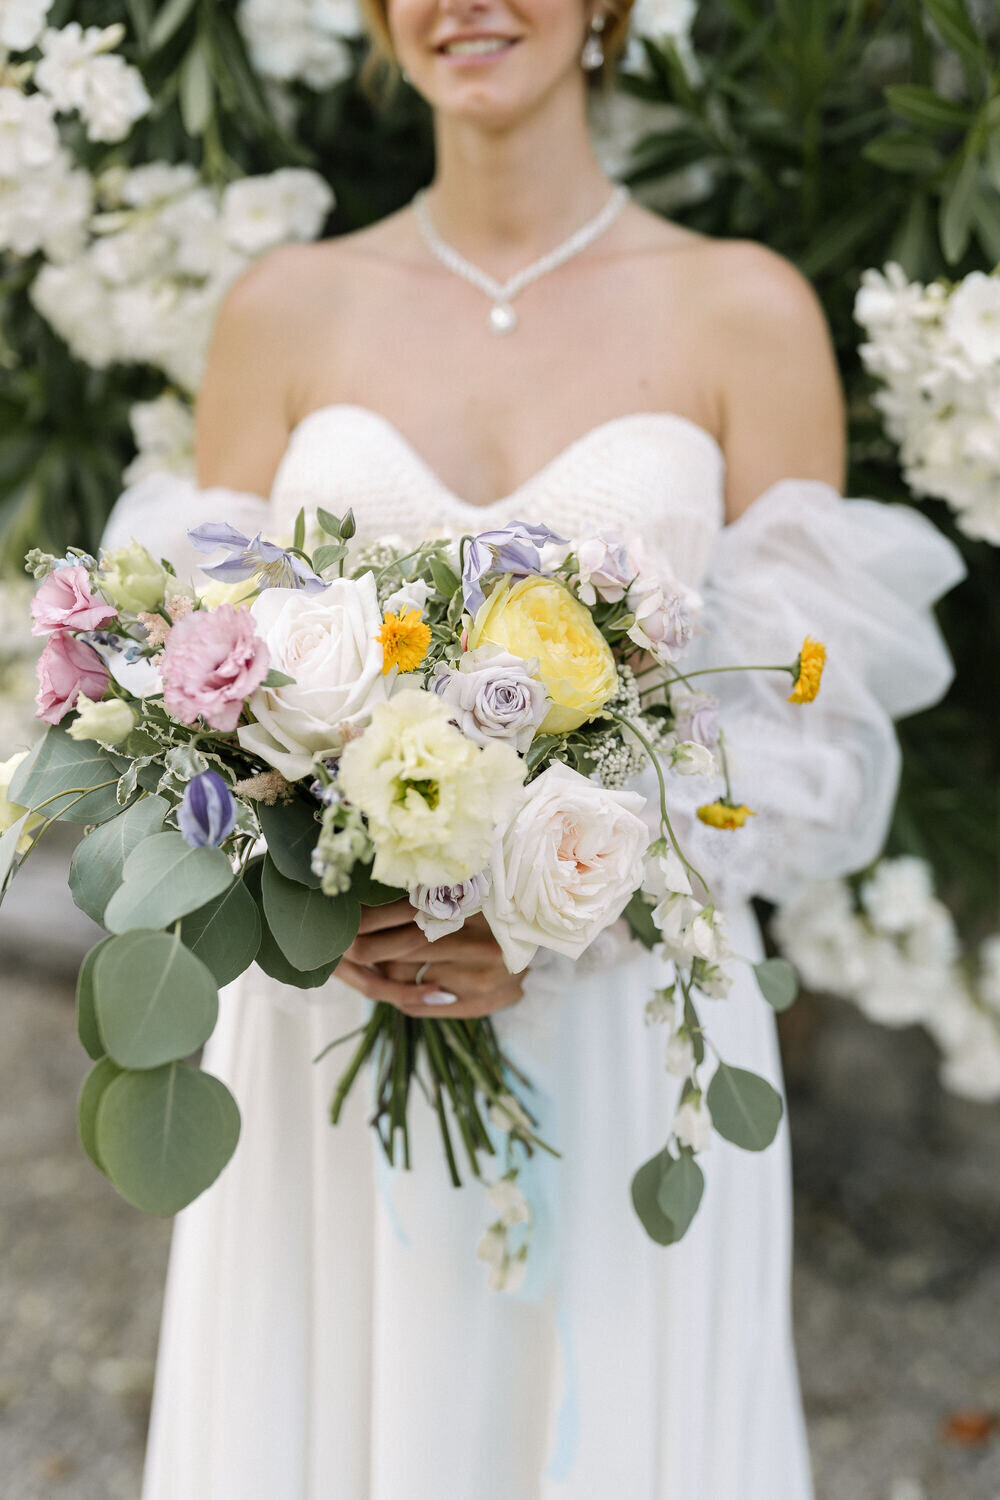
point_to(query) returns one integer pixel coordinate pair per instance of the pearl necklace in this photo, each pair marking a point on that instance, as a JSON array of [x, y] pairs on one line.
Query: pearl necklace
[[502, 317]]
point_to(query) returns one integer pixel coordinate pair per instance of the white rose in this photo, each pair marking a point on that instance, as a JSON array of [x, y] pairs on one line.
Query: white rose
[[327, 642], [565, 866]]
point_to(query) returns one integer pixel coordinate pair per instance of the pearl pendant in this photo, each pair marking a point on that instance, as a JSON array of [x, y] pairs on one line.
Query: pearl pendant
[[502, 318]]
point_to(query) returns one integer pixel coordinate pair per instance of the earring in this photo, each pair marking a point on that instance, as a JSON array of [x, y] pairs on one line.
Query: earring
[[592, 56]]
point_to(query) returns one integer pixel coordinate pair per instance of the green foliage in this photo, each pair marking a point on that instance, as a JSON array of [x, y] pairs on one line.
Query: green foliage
[[86, 1011], [98, 862], [269, 956], [155, 1002], [164, 878], [55, 773], [290, 831], [666, 1192], [310, 928], [163, 1136], [92, 1090], [224, 933], [745, 1109], [777, 982]]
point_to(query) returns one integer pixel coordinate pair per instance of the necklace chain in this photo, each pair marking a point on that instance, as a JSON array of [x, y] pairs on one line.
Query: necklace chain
[[501, 293]]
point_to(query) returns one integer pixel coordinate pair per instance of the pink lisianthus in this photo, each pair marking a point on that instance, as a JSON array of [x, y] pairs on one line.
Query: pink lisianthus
[[66, 668], [65, 601], [211, 664]]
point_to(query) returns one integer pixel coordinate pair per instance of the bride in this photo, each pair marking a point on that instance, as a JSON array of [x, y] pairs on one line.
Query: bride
[[327, 1330]]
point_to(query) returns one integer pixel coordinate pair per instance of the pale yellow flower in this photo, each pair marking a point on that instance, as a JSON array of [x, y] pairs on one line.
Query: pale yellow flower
[[539, 618]]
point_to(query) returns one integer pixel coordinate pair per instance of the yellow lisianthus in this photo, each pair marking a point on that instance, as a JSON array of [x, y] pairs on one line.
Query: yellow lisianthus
[[808, 671], [538, 619], [724, 814]]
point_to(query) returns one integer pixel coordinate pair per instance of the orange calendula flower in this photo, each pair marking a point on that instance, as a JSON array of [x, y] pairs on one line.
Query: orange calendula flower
[[405, 639], [808, 671], [724, 814]]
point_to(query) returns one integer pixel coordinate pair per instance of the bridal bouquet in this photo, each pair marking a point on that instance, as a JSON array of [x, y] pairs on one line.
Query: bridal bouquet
[[305, 733]]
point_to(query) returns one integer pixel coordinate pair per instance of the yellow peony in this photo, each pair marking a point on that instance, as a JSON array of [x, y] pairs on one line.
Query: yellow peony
[[538, 618]]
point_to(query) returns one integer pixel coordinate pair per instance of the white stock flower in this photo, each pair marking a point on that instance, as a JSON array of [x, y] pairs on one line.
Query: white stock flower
[[300, 39], [898, 893], [973, 318], [327, 643], [432, 798], [258, 212], [564, 866], [492, 1248], [679, 1054], [510, 1203], [28, 135], [689, 758], [75, 300], [116, 98], [78, 72], [693, 1124], [47, 210], [156, 182], [21, 23], [164, 435], [411, 595]]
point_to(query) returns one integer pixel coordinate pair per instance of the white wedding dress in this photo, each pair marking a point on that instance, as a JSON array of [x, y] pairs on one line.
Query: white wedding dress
[[327, 1332]]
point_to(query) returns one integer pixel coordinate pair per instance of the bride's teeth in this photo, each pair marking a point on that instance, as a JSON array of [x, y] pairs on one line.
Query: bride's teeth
[[487, 44]]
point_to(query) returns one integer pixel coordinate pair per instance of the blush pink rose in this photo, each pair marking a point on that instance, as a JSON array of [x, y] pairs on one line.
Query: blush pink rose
[[66, 668], [211, 664], [65, 602]]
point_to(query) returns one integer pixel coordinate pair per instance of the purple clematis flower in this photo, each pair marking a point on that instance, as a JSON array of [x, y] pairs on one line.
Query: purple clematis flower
[[514, 549], [207, 814], [252, 557]]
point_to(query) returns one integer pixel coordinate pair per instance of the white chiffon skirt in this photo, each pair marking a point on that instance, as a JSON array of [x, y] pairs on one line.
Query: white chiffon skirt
[[327, 1332]]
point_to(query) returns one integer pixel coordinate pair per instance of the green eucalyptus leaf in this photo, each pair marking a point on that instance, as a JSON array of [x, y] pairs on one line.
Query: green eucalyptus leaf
[[290, 831], [225, 933], [103, 1073], [86, 1012], [745, 1108], [155, 1001], [98, 862], [645, 1198], [165, 878], [276, 679], [639, 916], [269, 956], [679, 1192], [9, 840], [165, 1135], [58, 768], [777, 981], [310, 928]]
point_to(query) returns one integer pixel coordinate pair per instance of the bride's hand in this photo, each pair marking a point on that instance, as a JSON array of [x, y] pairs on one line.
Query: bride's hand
[[390, 950]]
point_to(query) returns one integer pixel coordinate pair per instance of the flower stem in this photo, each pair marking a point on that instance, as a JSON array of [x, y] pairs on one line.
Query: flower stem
[[664, 815]]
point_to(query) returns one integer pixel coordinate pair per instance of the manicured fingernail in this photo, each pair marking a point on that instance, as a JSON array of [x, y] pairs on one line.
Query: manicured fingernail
[[440, 997]]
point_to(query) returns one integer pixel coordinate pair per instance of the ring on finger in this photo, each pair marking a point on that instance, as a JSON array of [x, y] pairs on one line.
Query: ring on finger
[[419, 976]]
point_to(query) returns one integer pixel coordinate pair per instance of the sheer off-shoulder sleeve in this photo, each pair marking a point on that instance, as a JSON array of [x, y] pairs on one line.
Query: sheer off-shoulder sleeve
[[821, 777], [158, 511]]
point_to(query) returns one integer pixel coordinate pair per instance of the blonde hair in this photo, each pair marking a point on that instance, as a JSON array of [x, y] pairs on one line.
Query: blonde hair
[[380, 72]]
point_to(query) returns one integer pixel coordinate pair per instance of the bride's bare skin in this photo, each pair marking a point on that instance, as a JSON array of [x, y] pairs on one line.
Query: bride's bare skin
[[651, 317]]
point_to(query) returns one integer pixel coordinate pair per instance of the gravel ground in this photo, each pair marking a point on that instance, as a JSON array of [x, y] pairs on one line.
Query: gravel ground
[[897, 1284]]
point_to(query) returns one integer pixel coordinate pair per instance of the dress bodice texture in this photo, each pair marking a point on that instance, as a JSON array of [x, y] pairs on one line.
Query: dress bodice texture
[[860, 575], [655, 472]]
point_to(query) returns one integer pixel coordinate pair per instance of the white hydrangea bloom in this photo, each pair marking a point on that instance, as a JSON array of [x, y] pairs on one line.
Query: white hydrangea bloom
[[28, 135], [21, 23]]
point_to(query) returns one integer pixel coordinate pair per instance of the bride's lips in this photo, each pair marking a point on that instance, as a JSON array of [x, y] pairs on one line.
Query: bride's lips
[[475, 49]]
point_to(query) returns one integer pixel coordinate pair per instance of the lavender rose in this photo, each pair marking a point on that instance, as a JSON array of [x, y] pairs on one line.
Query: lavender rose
[[496, 696], [606, 568], [442, 909], [696, 716]]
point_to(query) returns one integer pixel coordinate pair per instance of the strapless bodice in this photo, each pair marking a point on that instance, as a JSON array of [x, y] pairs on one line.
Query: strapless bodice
[[657, 475]]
